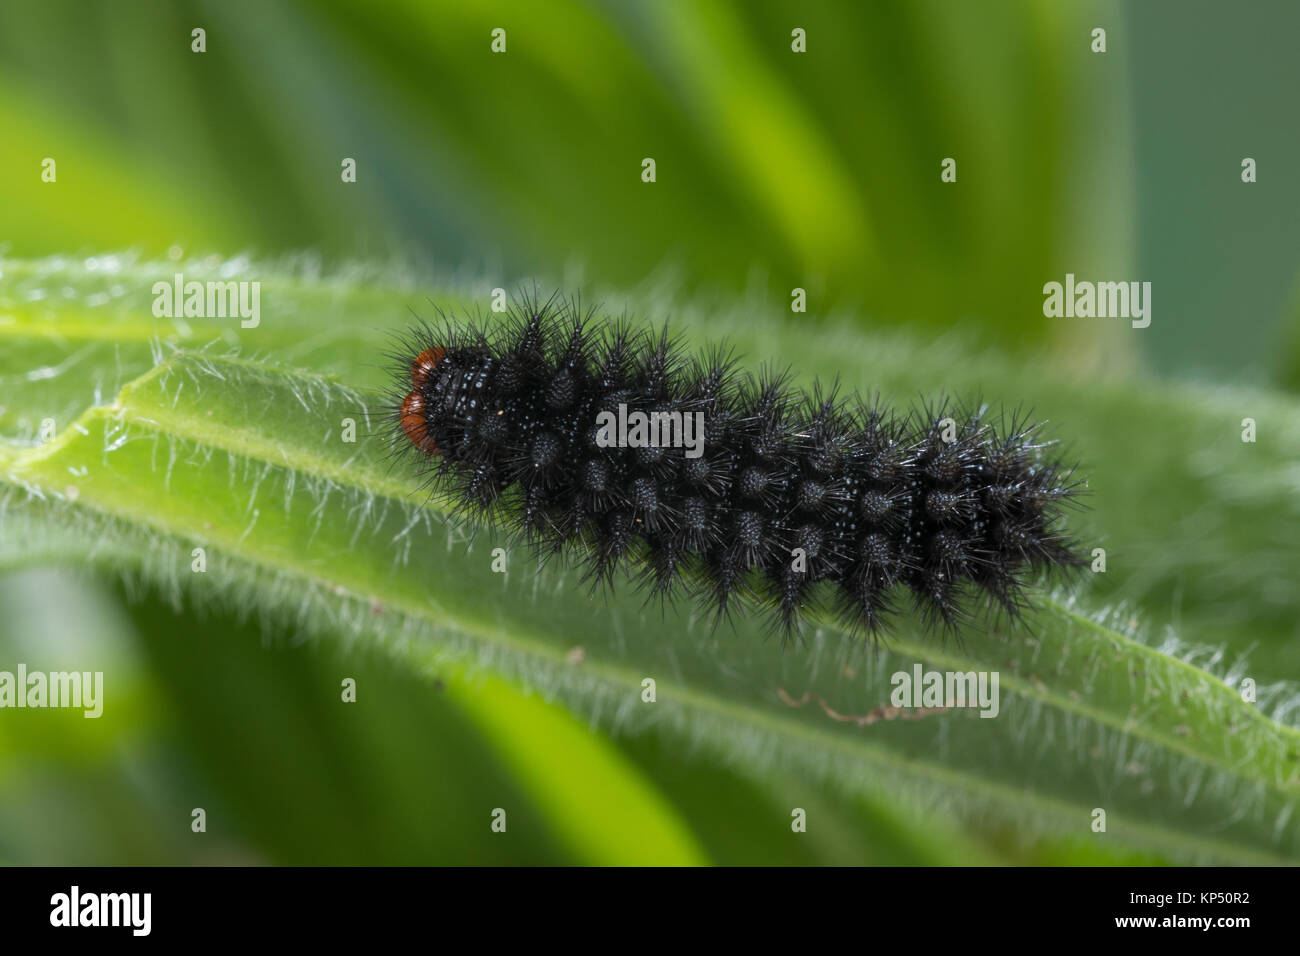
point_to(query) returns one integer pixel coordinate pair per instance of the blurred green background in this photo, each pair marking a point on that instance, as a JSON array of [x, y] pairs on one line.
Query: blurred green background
[[775, 170]]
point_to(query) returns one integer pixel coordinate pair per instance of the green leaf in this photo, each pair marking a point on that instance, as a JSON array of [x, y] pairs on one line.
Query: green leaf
[[243, 455]]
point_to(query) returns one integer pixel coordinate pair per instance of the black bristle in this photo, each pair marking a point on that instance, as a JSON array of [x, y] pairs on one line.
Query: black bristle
[[794, 502]]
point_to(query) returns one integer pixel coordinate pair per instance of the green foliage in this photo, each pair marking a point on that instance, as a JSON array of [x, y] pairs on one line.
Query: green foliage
[[173, 435], [775, 169]]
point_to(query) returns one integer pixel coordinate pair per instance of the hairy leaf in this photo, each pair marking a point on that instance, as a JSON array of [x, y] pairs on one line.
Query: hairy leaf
[[176, 435]]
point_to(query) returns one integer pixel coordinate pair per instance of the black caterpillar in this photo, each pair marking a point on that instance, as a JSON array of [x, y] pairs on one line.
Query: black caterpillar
[[790, 500]]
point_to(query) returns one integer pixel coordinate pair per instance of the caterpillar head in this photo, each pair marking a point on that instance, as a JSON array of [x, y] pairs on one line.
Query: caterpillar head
[[446, 399]]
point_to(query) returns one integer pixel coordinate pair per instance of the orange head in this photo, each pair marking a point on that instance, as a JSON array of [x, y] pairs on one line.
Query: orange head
[[414, 425], [424, 364]]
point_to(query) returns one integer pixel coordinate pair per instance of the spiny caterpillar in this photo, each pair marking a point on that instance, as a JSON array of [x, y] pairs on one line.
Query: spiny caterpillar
[[788, 500]]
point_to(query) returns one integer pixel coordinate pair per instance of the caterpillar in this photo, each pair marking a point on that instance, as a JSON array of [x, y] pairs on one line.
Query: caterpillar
[[740, 489]]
